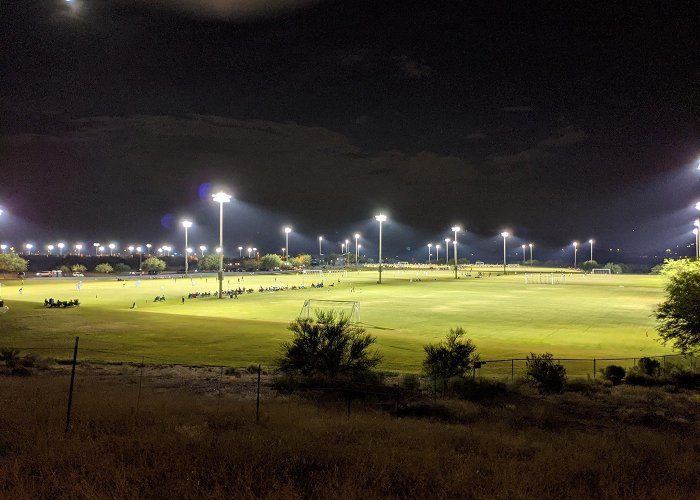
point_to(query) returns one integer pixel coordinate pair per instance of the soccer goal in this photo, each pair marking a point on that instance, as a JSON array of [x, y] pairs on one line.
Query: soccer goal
[[545, 278], [313, 272], [601, 271], [349, 308]]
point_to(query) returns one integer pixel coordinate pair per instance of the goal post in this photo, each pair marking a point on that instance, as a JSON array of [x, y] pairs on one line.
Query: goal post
[[349, 308], [545, 278], [601, 271]]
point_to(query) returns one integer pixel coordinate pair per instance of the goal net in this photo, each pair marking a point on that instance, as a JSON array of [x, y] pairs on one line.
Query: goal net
[[601, 271], [313, 272], [349, 308], [545, 278]]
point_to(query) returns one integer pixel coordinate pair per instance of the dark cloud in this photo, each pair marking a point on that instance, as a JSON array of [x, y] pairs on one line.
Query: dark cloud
[[233, 9], [544, 149]]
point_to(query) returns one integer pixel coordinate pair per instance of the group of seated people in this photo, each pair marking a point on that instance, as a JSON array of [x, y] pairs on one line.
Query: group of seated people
[[159, 298], [61, 303]]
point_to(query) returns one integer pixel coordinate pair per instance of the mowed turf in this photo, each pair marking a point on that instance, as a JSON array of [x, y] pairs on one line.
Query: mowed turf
[[588, 316]]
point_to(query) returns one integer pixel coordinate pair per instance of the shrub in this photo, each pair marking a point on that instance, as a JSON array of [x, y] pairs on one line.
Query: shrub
[[329, 346], [479, 389], [544, 374], [451, 358], [410, 382], [686, 379], [10, 356], [635, 377], [649, 366], [614, 374]]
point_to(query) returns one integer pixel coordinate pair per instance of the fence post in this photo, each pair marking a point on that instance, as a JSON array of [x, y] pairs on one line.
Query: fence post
[[664, 364], [70, 389], [138, 397], [593, 368], [512, 370], [257, 399]]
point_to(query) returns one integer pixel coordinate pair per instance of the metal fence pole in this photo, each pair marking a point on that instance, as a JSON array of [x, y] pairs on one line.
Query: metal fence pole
[[70, 389]]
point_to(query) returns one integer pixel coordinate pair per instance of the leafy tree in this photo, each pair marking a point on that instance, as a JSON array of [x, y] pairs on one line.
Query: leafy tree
[[614, 268], [153, 264], [104, 268], [544, 373], [328, 346], [64, 269], [78, 268], [270, 261], [209, 263], [678, 317], [300, 260], [451, 358], [120, 267], [589, 265], [12, 263]]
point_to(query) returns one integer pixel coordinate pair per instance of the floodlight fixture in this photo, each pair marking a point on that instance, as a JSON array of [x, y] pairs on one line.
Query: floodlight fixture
[[455, 229], [287, 230], [221, 198]]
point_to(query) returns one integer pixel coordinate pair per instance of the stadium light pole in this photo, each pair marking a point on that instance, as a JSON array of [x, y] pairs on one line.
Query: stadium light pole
[[240, 252], [447, 252], [255, 254], [111, 246], [221, 198], [456, 229], [505, 235], [437, 254], [139, 250], [430, 252], [96, 245], [60, 248], [287, 230], [380, 218], [530, 245], [3, 247], [696, 232], [50, 249], [29, 247], [148, 248], [591, 243], [101, 249], [523, 247], [575, 243], [79, 248], [249, 250], [186, 224], [357, 254], [320, 247]]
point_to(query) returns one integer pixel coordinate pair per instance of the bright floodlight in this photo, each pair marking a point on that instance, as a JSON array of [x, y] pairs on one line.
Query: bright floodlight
[[221, 197], [697, 206], [456, 229], [138, 249], [696, 223], [218, 249], [189, 250], [61, 245], [505, 234], [287, 229], [590, 241], [112, 246], [131, 248], [186, 223], [380, 218], [357, 236], [575, 244], [695, 231]]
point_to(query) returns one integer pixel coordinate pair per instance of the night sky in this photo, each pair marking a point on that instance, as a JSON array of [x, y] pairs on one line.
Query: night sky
[[558, 121]]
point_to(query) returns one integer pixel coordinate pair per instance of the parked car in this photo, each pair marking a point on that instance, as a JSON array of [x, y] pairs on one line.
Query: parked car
[[78, 275]]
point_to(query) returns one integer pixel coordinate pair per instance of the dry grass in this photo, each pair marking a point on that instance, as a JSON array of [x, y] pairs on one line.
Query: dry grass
[[186, 442]]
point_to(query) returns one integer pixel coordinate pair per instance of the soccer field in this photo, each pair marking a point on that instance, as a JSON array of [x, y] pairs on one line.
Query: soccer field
[[588, 316]]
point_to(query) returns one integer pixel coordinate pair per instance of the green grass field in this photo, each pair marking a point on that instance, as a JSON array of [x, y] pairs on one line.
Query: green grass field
[[589, 316]]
